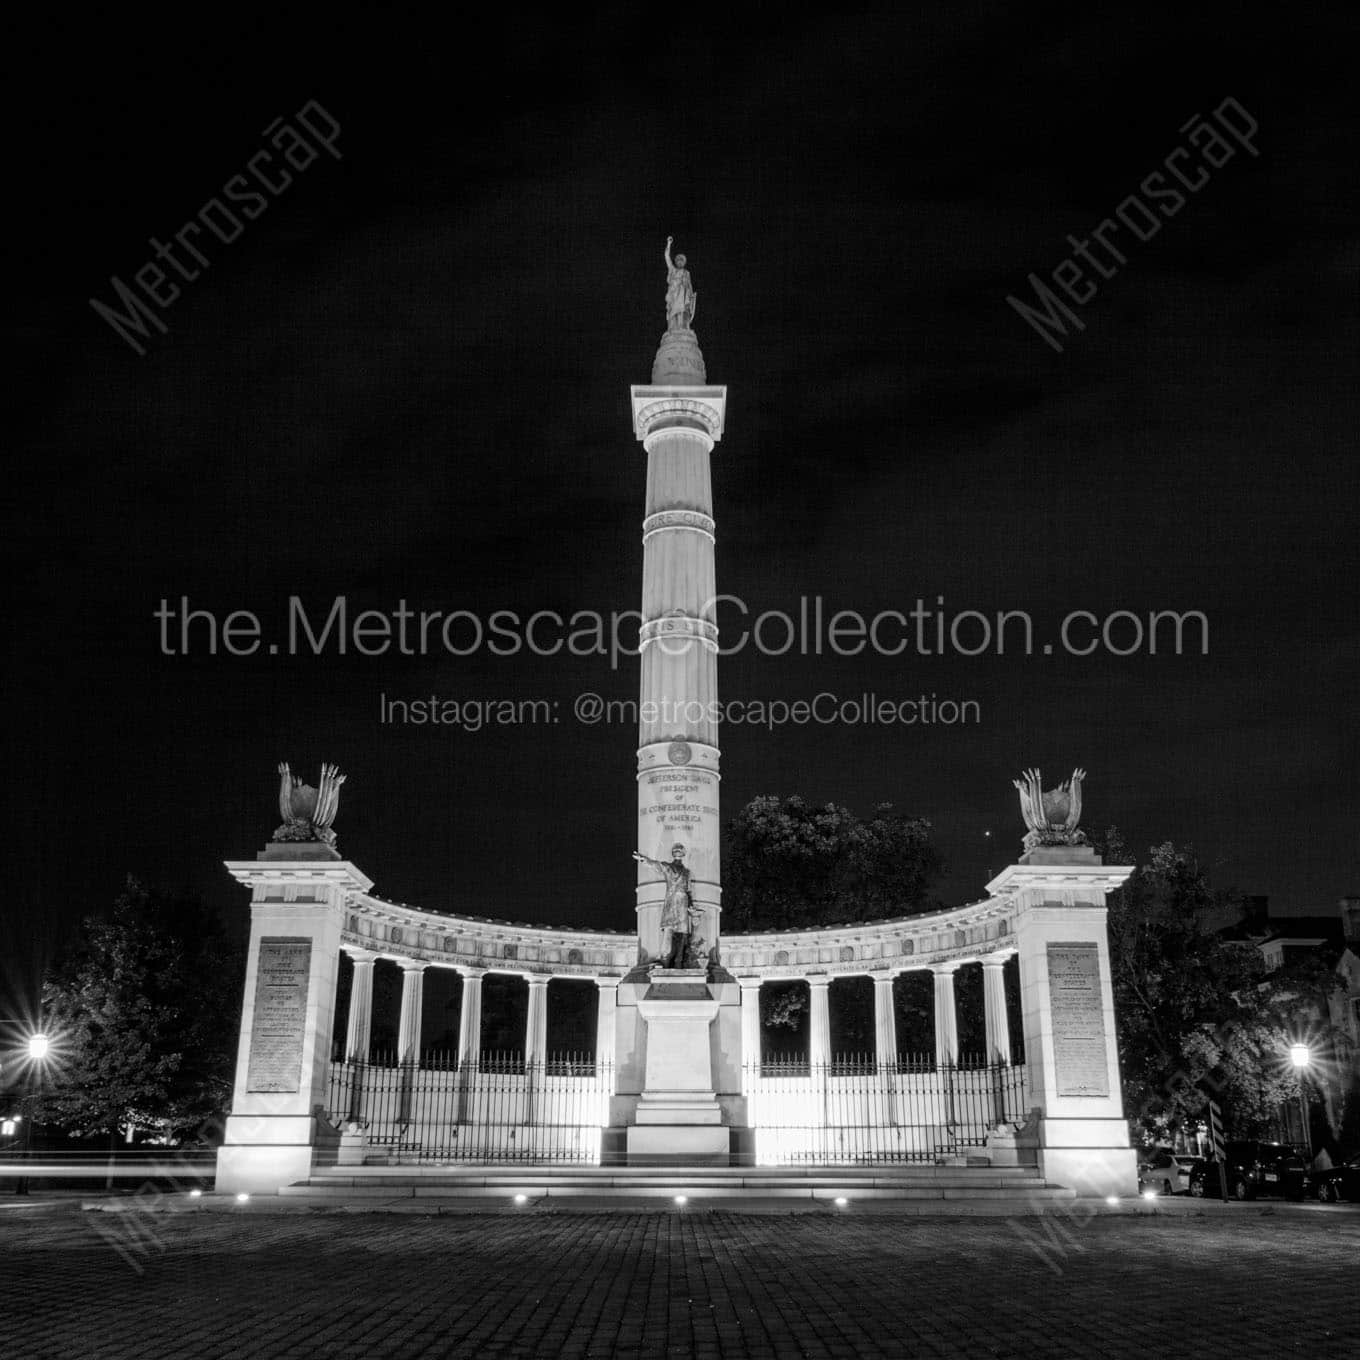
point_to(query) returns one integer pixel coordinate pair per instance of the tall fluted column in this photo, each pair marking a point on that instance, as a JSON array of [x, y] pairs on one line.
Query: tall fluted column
[[359, 1028], [606, 1028], [750, 1033], [994, 1007], [819, 1022], [470, 1019], [536, 1023], [678, 418], [885, 1024], [946, 1017], [412, 999], [469, 1043]]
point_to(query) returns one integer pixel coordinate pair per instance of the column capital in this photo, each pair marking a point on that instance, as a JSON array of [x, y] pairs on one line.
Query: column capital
[[889, 978], [603, 982], [818, 980], [948, 968], [749, 984], [538, 979], [469, 971], [996, 960], [413, 965], [360, 956]]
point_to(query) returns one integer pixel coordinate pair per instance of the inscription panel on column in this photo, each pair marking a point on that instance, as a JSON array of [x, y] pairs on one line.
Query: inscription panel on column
[[279, 1020], [1078, 1015]]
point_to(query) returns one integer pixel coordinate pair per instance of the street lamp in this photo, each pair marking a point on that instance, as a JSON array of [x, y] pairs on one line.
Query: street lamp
[[38, 1045], [1302, 1056]]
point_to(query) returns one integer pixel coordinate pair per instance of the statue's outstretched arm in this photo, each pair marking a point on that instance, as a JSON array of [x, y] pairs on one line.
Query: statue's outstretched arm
[[670, 241]]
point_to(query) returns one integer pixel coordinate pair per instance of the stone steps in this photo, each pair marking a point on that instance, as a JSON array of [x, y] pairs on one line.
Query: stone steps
[[667, 1176], [605, 1187]]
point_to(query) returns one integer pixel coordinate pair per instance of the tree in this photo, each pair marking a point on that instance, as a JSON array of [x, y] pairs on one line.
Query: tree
[[145, 1013], [788, 865], [1197, 1014]]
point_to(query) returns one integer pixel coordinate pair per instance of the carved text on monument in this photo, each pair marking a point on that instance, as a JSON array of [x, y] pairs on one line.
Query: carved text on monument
[[678, 789], [280, 1014], [1079, 1051]]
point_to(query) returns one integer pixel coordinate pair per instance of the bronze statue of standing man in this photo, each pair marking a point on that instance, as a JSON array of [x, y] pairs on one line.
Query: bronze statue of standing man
[[677, 912]]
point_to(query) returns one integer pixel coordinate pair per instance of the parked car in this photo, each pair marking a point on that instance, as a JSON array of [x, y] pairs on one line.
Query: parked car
[[1254, 1168], [1337, 1182], [1165, 1172]]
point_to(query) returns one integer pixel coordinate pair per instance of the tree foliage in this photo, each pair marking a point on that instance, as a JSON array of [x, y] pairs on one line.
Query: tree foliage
[[144, 1013], [788, 865], [1198, 1014]]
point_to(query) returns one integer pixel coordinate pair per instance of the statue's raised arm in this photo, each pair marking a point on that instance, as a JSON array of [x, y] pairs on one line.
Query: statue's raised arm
[[670, 241]]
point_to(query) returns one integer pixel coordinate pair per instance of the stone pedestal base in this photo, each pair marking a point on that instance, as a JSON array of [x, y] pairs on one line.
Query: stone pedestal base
[[679, 1145], [1090, 1156], [667, 1107], [262, 1153], [678, 1121], [1095, 1172], [353, 1147]]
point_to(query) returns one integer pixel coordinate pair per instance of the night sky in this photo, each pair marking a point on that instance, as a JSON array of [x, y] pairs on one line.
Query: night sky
[[408, 378]]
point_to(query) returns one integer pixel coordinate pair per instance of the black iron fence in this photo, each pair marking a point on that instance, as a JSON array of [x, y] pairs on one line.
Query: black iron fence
[[852, 1110], [860, 1063], [500, 1109]]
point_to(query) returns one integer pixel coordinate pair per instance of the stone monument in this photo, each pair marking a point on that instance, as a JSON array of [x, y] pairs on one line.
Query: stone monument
[[680, 1014], [1059, 888]]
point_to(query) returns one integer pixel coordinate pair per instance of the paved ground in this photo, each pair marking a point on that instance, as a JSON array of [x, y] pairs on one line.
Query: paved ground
[[1256, 1282]]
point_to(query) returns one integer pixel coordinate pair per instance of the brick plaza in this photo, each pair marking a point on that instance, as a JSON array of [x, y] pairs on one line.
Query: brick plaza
[[1254, 1282]]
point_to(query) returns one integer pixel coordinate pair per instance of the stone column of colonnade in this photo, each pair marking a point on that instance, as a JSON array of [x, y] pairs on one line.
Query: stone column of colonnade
[[885, 1023], [994, 1008], [606, 1025], [412, 1000], [946, 1016], [359, 1026]]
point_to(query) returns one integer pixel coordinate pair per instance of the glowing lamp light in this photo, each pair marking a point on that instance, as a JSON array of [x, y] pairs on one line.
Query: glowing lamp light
[[7, 1128], [682, 1199], [1149, 1194], [195, 1194], [841, 1201], [1111, 1199], [38, 1044], [243, 1198], [521, 1199], [1300, 1055]]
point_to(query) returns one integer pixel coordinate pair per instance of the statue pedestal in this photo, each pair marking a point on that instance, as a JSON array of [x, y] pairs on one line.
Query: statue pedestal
[[679, 1120]]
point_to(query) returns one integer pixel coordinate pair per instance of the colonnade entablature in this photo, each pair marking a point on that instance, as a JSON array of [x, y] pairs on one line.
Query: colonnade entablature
[[374, 926], [399, 932]]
